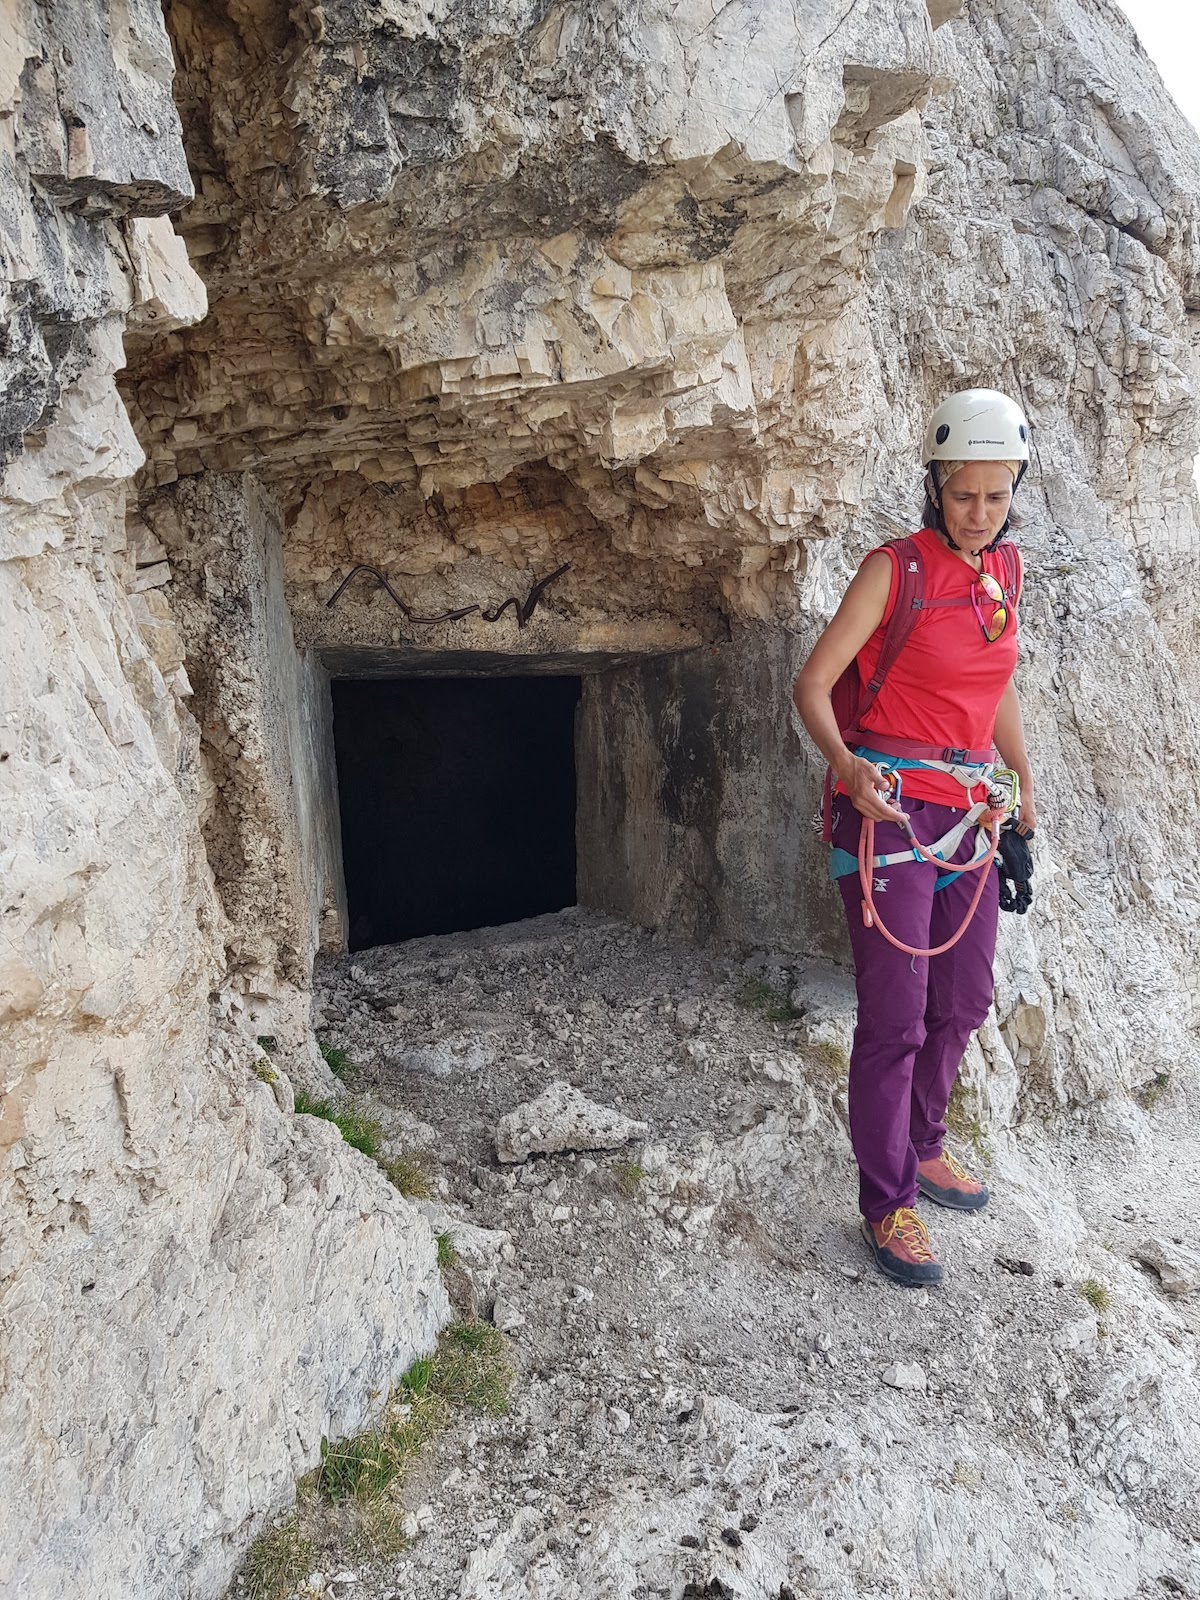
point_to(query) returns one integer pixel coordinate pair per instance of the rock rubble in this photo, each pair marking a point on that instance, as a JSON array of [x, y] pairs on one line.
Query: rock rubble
[[716, 1388]]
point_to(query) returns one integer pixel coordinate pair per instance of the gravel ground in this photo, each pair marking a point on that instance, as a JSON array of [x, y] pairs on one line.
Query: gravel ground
[[717, 1394]]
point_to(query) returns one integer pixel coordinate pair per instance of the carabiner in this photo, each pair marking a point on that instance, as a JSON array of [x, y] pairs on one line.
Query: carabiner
[[891, 776], [1004, 791]]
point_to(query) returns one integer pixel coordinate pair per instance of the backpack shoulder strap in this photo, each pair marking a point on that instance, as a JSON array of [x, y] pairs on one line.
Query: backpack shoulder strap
[[910, 597], [1011, 557]]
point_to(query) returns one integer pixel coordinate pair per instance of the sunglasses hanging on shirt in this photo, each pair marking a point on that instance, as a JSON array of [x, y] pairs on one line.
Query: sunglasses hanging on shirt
[[987, 592]]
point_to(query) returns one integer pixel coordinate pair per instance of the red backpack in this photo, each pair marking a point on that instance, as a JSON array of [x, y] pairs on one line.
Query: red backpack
[[851, 702]]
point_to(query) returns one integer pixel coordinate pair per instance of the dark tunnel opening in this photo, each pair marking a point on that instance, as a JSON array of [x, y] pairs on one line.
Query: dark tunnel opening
[[457, 800]]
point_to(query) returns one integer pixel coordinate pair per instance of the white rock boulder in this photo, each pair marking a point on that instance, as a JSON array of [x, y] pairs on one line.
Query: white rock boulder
[[561, 1118], [1176, 1267]]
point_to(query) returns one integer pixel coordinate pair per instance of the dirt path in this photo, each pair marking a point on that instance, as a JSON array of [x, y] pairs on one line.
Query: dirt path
[[701, 1407]]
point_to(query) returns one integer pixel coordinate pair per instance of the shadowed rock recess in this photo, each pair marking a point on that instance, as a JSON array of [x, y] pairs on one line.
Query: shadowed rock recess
[[642, 304]]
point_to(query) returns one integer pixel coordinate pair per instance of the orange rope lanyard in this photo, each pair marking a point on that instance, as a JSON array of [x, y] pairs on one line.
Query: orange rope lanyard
[[866, 859]]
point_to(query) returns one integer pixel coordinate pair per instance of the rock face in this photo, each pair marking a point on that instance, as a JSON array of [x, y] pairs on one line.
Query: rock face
[[656, 294], [270, 812], [194, 1285], [545, 238]]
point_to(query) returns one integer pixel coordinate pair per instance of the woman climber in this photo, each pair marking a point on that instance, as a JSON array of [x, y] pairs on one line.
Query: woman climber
[[909, 695]]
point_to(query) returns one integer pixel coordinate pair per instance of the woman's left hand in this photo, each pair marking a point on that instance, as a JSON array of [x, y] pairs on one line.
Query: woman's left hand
[[1027, 821]]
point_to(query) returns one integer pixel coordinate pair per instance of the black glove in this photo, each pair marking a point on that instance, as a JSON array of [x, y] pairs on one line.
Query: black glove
[[1015, 861]]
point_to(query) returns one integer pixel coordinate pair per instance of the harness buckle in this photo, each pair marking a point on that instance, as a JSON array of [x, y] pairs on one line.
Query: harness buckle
[[957, 758]]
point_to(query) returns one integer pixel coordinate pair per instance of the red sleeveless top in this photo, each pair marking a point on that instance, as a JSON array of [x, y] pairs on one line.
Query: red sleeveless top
[[947, 681]]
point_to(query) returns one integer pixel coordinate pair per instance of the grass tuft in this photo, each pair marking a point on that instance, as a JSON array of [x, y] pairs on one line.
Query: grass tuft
[[782, 1011], [754, 994], [963, 1125], [628, 1175], [361, 1132], [958, 1116], [1152, 1092], [366, 1134], [278, 1560], [470, 1370], [447, 1254], [759, 996], [266, 1041], [363, 1467], [336, 1059], [407, 1175], [831, 1056], [1096, 1295], [417, 1379]]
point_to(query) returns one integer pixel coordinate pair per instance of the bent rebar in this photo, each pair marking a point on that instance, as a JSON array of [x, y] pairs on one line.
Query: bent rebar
[[524, 608]]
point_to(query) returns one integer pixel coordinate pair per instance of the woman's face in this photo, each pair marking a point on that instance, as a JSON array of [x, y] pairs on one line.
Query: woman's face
[[975, 502]]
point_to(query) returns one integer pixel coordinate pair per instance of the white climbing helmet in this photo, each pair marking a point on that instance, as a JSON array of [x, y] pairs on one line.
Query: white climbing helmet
[[977, 425]]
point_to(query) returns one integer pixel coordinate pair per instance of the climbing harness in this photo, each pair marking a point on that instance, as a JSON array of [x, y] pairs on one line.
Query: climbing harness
[[1002, 798]]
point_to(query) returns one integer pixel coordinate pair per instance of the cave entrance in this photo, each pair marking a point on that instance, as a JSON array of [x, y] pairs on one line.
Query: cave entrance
[[457, 801]]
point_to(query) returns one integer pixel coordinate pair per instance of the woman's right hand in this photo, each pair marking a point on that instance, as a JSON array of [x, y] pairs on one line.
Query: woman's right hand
[[869, 790]]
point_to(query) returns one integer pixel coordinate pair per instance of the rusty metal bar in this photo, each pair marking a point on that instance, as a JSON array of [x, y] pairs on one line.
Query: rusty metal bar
[[523, 608]]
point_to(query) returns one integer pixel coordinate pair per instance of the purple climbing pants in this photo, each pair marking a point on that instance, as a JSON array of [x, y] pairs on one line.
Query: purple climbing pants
[[915, 1014]]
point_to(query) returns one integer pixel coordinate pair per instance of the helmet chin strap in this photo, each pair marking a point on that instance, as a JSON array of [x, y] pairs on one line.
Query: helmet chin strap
[[935, 497]]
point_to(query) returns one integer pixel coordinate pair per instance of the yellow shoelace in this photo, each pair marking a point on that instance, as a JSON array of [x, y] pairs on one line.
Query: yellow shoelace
[[958, 1171], [907, 1226]]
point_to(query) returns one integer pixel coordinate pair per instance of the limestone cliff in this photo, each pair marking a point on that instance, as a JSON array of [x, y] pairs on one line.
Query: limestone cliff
[[194, 1285], [661, 292]]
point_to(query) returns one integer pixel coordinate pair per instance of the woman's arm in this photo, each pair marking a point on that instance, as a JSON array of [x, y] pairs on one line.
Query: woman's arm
[[1010, 741], [859, 614]]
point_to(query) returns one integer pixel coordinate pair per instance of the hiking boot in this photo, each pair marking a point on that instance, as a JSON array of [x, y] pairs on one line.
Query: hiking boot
[[944, 1182], [900, 1245]]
